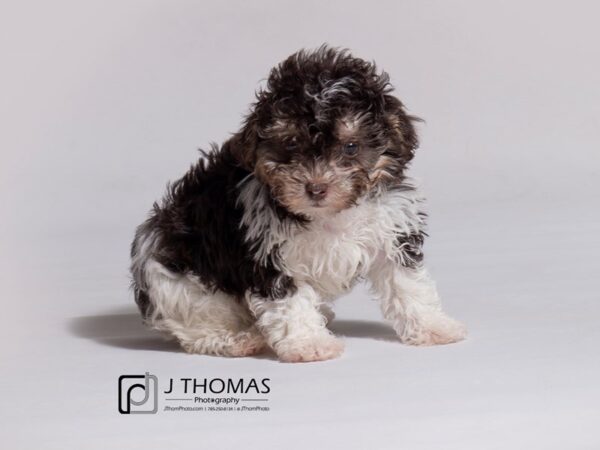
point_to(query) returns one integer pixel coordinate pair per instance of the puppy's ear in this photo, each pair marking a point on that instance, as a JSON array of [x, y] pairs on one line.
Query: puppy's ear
[[243, 144], [401, 131]]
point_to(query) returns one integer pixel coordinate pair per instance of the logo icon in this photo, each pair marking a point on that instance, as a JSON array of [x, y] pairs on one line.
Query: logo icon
[[138, 394]]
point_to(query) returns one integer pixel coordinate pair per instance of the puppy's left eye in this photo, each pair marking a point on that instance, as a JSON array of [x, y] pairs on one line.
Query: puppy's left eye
[[350, 148]]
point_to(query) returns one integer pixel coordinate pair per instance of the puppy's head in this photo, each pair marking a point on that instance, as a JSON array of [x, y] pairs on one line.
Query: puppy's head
[[325, 132]]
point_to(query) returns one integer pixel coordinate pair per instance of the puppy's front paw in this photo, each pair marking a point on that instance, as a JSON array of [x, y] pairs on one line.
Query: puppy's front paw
[[314, 348], [434, 329]]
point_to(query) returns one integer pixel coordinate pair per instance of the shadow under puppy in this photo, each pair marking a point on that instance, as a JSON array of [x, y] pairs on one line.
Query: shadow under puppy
[[250, 247]]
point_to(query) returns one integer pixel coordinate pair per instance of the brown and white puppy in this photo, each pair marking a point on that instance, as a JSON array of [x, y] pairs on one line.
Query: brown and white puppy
[[251, 246]]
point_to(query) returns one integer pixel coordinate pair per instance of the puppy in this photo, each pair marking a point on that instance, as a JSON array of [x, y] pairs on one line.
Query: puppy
[[251, 246]]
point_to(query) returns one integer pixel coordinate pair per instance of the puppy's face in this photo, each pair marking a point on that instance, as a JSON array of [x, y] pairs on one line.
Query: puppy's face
[[316, 170], [326, 132]]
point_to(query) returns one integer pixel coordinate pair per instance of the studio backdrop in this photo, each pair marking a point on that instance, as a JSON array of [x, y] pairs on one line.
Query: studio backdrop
[[105, 102]]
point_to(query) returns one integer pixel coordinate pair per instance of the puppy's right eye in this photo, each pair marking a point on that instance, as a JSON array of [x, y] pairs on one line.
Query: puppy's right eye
[[291, 144]]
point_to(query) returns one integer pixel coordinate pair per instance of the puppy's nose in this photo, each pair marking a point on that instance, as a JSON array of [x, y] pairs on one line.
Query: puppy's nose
[[316, 191]]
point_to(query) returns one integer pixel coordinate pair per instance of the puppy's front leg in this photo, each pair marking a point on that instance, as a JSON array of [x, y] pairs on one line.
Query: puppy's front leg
[[294, 327], [410, 301]]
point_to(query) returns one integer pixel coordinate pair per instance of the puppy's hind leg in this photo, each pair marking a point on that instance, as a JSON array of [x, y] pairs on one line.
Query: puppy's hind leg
[[201, 320]]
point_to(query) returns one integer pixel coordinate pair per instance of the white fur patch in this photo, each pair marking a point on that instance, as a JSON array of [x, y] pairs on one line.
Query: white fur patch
[[203, 321], [333, 251], [261, 222], [409, 300]]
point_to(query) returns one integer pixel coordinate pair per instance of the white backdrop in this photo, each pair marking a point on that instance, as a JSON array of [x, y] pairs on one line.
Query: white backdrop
[[103, 102]]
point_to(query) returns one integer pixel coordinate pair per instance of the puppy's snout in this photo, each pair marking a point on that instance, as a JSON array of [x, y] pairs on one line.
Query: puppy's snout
[[316, 191]]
